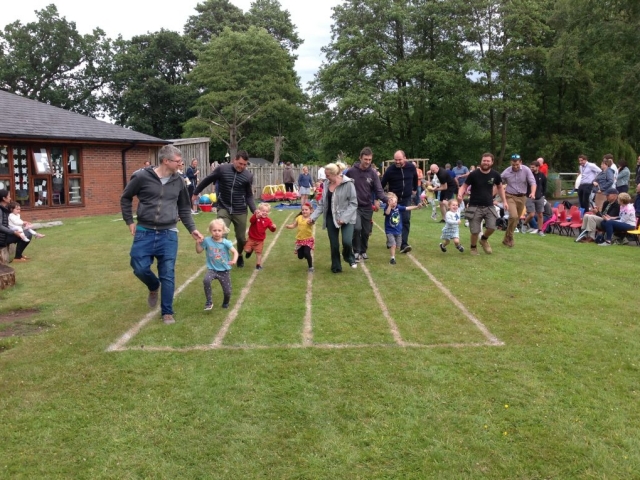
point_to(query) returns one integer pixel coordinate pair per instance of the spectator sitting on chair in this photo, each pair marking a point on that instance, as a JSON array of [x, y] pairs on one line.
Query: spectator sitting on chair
[[636, 202], [593, 221], [625, 222]]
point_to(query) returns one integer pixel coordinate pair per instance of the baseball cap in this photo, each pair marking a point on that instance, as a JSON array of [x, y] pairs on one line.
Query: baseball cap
[[459, 162], [611, 191]]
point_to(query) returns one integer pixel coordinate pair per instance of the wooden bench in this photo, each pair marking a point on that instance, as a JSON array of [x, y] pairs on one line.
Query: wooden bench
[[7, 274]]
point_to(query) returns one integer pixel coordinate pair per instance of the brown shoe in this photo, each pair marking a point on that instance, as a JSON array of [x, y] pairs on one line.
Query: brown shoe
[[21, 259], [507, 242], [474, 251], [168, 319], [486, 247], [589, 240]]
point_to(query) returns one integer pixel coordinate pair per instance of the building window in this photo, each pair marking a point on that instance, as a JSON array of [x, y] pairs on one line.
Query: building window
[[42, 176]]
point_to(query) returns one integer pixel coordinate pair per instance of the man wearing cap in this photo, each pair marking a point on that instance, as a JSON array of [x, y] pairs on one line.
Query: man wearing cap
[[519, 180], [593, 221], [535, 206], [588, 173], [460, 172]]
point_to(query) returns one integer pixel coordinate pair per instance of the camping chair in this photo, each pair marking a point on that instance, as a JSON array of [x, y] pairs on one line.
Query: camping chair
[[570, 218], [575, 223], [635, 234], [561, 216]]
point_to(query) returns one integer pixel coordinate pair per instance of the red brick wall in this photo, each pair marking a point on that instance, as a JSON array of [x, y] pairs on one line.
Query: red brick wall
[[103, 182]]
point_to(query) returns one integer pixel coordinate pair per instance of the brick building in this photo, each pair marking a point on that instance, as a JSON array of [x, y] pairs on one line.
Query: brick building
[[60, 164]]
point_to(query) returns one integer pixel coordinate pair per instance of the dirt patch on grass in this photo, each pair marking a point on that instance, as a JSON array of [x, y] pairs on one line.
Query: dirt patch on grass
[[18, 323]]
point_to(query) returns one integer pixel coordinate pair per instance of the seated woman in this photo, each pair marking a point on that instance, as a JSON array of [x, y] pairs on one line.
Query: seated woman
[[8, 236], [625, 222]]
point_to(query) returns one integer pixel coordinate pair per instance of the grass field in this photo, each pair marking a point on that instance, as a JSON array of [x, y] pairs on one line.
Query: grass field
[[372, 373]]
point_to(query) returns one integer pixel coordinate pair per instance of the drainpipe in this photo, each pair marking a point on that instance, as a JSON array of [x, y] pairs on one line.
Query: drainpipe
[[124, 164]]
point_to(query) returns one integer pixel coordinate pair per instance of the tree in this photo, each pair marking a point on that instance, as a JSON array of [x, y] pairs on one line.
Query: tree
[[50, 61], [249, 87], [268, 14], [395, 77], [148, 90], [212, 18]]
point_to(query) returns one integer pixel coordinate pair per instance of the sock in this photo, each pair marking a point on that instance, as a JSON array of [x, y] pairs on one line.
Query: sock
[[484, 238], [473, 246]]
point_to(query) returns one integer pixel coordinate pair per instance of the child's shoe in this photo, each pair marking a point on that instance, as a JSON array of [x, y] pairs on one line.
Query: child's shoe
[[460, 248], [225, 305], [208, 306], [443, 248], [258, 267], [392, 261]]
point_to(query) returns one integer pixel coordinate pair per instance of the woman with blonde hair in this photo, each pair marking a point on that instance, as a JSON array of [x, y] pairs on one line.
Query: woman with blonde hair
[[338, 206], [624, 222]]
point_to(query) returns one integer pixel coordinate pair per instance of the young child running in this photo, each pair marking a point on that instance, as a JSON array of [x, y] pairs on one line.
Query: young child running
[[18, 225], [304, 238], [451, 229], [393, 223], [259, 223], [218, 249]]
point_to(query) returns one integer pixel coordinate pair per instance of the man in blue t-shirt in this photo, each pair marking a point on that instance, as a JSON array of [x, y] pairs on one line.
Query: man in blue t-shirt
[[461, 172]]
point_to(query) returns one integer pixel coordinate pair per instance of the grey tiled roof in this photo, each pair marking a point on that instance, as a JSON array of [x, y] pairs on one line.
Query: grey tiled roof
[[22, 117]]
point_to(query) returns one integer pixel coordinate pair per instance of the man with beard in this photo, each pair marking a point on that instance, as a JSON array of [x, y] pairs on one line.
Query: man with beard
[[483, 181]]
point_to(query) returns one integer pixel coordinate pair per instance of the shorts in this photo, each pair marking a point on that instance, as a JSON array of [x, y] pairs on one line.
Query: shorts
[[476, 214], [304, 190], [536, 206], [254, 246], [394, 240], [446, 195]]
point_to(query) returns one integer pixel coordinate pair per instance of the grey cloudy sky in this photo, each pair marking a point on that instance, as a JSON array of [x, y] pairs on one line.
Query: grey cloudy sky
[[133, 17]]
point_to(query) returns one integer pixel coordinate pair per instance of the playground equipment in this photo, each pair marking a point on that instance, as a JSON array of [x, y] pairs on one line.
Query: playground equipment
[[277, 193]]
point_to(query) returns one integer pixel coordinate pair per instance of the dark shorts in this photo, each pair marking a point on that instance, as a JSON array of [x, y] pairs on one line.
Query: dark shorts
[[447, 195]]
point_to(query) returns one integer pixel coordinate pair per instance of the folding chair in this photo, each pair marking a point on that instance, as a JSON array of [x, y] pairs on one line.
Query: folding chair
[[569, 219], [561, 215], [635, 234]]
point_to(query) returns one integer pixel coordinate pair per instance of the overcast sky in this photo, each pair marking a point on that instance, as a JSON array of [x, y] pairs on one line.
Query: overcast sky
[[133, 17]]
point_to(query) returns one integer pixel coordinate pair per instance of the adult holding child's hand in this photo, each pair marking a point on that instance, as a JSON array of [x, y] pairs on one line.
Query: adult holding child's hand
[[339, 206]]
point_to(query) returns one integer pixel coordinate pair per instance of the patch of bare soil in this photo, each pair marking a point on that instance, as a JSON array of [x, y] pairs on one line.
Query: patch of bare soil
[[17, 323]]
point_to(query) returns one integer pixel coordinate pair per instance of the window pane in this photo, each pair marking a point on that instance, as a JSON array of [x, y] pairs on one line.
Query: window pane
[[75, 193], [74, 160], [40, 192], [21, 175], [4, 160]]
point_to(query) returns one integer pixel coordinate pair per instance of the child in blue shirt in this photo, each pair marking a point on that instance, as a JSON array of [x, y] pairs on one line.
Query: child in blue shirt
[[393, 223], [219, 250]]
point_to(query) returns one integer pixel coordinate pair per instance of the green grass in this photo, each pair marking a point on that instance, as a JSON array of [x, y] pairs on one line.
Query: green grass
[[558, 400]]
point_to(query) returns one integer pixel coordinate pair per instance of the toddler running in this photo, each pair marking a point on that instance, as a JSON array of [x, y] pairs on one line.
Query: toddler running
[[259, 223], [451, 229], [304, 238], [218, 249], [393, 223]]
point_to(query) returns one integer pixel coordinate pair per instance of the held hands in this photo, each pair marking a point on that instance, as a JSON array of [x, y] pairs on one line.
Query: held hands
[[197, 236]]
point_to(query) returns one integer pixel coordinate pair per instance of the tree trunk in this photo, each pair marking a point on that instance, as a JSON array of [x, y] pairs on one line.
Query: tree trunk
[[277, 148], [7, 274]]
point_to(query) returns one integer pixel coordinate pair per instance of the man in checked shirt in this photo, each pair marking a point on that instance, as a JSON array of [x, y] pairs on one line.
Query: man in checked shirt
[[517, 177]]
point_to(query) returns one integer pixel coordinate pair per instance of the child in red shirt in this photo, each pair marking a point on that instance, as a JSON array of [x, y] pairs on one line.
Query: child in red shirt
[[259, 223]]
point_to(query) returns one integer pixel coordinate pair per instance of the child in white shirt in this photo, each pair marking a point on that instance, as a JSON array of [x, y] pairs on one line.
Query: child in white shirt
[[18, 225]]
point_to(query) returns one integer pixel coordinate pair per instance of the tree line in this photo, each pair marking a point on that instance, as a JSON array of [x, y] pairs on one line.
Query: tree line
[[440, 79]]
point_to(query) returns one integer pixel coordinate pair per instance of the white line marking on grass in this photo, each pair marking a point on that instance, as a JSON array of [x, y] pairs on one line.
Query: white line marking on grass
[[217, 341], [395, 332], [320, 346], [493, 340], [133, 331], [307, 330]]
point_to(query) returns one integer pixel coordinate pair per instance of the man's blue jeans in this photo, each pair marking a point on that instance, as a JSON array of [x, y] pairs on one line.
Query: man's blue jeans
[[163, 246]]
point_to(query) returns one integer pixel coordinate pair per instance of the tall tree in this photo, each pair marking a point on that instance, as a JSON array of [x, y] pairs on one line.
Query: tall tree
[[212, 18], [249, 88], [48, 60], [268, 14], [148, 90], [395, 77]]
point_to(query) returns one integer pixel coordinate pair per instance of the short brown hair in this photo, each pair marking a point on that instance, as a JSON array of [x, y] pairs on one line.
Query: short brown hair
[[490, 155], [366, 151]]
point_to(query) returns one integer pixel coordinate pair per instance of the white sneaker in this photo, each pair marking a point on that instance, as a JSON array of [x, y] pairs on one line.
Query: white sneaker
[[541, 234], [354, 265], [534, 231], [466, 223]]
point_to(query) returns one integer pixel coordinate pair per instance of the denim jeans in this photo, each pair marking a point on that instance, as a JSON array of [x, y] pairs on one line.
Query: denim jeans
[[163, 246], [611, 225]]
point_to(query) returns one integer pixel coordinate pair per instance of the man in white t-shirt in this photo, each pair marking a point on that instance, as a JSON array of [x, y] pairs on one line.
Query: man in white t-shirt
[[321, 176]]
